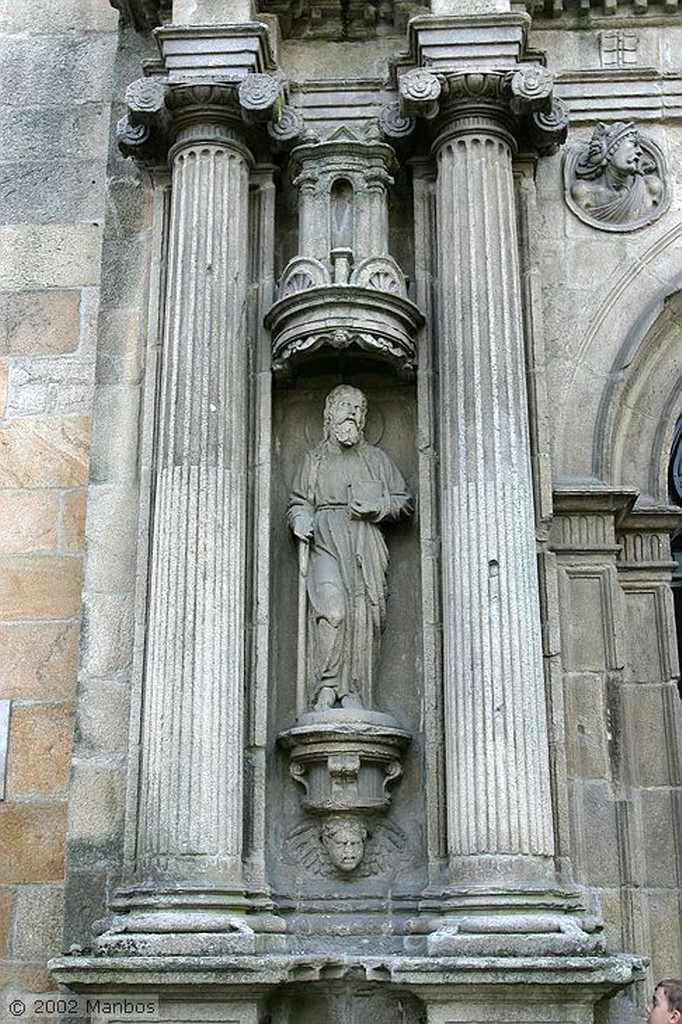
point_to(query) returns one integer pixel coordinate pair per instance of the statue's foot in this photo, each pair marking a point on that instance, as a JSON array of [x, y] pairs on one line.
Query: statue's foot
[[325, 699], [351, 700]]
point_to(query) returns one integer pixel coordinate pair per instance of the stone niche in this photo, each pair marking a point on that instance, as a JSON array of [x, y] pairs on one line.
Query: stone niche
[[297, 861]]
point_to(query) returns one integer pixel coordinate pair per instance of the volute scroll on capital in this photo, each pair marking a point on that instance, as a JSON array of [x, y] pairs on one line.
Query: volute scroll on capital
[[162, 114], [520, 99]]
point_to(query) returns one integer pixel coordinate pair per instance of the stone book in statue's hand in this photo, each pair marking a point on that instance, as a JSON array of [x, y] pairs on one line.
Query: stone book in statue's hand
[[365, 497]]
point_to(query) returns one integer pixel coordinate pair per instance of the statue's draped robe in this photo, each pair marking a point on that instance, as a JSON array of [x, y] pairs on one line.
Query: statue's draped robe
[[348, 561], [619, 206]]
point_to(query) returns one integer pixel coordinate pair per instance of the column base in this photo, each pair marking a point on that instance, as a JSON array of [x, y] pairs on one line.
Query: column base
[[516, 935], [511, 921], [149, 920]]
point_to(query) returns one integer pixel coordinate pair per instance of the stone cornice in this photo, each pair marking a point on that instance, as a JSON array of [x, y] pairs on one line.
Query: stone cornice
[[586, 13], [148, 14], [592, 499]]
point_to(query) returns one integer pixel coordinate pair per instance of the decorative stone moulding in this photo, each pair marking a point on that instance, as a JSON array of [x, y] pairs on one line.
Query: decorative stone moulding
[[521, 100], [616, 181], [366, 308], [227, 52], [345, 762]]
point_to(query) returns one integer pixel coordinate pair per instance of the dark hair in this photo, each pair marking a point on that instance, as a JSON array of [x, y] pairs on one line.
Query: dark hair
[[673, 991]]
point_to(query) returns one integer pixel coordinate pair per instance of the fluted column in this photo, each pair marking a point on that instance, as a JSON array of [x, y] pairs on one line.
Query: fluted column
[[190, 819], [499, 817]]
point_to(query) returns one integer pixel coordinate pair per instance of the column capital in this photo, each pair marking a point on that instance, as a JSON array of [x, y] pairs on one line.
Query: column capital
[[516, 102], [162, 114]]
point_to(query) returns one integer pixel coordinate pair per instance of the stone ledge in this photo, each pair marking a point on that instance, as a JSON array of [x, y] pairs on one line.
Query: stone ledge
[[601, 975]]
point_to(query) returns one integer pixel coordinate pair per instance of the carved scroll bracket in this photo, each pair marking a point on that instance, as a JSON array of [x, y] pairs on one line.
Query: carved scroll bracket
[[518, 102], [371, 313], [161, 112], [345, 762]]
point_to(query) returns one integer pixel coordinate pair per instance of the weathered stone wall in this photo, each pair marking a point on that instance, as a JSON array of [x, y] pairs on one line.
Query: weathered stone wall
[[607, 353], [54, 130], [612, 365]]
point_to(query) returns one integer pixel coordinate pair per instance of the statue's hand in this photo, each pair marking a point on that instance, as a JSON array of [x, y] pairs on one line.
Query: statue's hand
[[303, 527], [360, 509]]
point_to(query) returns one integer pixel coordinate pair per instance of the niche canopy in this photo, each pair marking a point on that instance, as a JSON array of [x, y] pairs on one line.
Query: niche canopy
[[343, 290]]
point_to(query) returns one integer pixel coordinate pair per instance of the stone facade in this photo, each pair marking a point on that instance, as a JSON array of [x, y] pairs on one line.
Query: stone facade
[[213, 212]]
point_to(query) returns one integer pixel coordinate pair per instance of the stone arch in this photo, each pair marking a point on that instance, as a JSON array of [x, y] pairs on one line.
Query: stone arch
[[619, 388], [641, 403]]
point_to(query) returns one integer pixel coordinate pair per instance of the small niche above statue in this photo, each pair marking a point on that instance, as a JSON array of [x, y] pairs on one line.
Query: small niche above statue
[[343, 289]]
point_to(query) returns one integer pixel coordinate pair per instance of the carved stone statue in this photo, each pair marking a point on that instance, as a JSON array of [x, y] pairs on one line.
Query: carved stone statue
[[343, 489], [613, 180], [344, 840]]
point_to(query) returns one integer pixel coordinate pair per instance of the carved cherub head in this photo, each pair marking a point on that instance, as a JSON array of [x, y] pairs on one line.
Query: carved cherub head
[[344, 840], [345, 411]]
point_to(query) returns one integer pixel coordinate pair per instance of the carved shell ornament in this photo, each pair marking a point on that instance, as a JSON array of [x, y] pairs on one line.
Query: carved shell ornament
[[616, 180]]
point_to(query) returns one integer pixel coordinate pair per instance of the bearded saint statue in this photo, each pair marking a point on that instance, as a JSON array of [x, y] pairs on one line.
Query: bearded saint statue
[[344, 488]]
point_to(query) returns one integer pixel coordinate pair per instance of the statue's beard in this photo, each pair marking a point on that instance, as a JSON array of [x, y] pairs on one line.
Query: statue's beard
[[347, 433]]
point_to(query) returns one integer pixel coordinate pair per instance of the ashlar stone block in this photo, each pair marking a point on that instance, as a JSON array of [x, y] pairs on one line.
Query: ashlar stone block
[[39, 749], [39, 322], [107, 633], [111, 534], [115, 414], [49, 256], [6, 905], [72, 522], [25, 977], [102, 724], [586, 726], [661, 836], [212, 12], [96, 800], [119, 351], [59, 386], [46, 16], [44, 453], [80, 68], [35, 133], [40, 587], [644, 714], [32, 837], [4, 375], [38, 660], [665, 926], [599, 855], [29, 520], [38, 921], [50, 191]]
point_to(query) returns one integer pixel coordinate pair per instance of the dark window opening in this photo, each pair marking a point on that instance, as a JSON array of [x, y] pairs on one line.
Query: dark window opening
[[675, 497]]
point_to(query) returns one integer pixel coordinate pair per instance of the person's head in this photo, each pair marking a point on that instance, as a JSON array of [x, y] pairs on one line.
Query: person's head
[[344, 840], [612, 145], [345, 410], [666, 1003], [626, 156]]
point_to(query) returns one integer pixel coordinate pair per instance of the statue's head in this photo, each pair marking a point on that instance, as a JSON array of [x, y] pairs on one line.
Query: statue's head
[[344, 840], [616, 145], [345, 410]]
